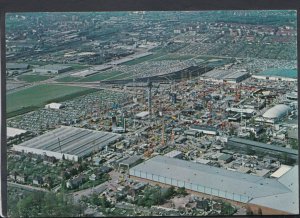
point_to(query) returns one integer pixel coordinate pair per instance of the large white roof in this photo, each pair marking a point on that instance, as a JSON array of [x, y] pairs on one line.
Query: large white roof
[[276, 111], [210, 177], [12, 132], [289, 201]]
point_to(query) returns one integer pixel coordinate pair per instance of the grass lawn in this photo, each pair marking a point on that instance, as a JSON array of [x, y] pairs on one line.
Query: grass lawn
[[33, 78], [36, 96], [101, 76]]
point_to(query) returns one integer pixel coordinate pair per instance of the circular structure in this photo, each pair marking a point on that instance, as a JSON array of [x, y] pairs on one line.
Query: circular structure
[[277, 111]]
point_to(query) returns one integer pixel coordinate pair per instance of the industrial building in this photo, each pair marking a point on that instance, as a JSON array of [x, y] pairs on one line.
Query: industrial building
[[12, 132], [245, 112], [174, 154], [131, 161], [142, 115], [68, 142], [274, 114], [219, 75], [52, 68], [256, 104], [286, 202], [275, 78], [16, 66], [208, 130], [254, 145], [219, 182]]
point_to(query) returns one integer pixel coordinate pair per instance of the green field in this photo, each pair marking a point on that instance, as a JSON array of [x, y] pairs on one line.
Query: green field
[[122, 76], [37, 96], [33, 78], [67, 79], [174, 57], [78, 66], [101, 76]]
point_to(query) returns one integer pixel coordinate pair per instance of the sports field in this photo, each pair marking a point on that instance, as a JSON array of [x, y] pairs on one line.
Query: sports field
[[37, 96]]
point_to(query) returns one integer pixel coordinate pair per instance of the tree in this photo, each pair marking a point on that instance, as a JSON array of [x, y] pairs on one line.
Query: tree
[[63, 184], [170, 192], [104, 202], [259, 212], [227, 209], [40, 204], [181, 191], [294, 143]]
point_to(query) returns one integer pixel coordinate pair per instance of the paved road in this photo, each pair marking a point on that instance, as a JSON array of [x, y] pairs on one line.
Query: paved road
[[27, 187]]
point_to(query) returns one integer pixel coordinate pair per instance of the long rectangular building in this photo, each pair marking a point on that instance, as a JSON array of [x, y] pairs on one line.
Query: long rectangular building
[[218, 75], [70, 142], [277, 150], [210, 180]]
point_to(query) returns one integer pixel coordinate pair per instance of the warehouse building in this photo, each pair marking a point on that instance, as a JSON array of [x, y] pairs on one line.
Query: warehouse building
[[17, 66], [219, 75], [259, 146], [174, 154], [68, 142], [274, 78], [131, 161], [52, 68], [219, 182], [208, 130], [13, 132]]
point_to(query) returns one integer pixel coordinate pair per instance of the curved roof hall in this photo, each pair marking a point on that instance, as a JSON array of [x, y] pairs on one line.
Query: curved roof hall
[[277, 111]]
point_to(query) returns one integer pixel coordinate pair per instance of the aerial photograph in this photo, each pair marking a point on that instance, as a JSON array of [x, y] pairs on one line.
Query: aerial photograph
[[152, 113]]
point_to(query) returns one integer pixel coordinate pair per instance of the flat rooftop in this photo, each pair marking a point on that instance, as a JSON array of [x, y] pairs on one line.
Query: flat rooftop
[[224, 74], [289, 201], [193, 174], [16, 66], [263, 145], [12, 132], [74, 141]]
